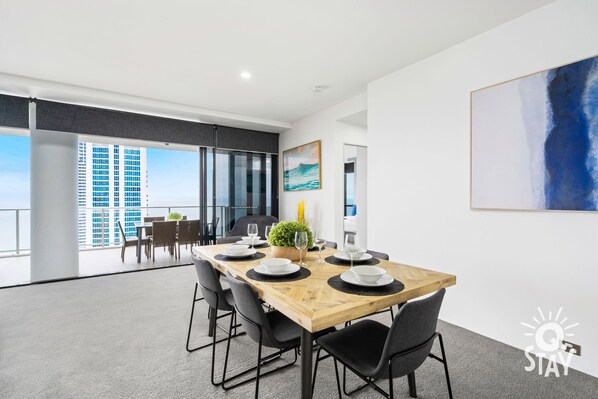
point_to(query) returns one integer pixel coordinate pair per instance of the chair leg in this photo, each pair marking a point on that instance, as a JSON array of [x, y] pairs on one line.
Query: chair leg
[[446, 372], [390, 387], [412, 387], [122, 254], [257, 373], [392, 314], [154, 253], [338, 381]]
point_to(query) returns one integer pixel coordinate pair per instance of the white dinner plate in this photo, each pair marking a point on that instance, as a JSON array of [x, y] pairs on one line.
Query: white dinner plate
[[248, 253], [343, 256], [351, 278], [256, 243], [288, 269]]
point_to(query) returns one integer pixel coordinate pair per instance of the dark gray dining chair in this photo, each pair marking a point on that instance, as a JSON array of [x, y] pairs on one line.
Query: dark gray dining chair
[[375, 352], [383, 256], [271, 329], [330, 244], [240, 226], [218, 299], [228, 240]]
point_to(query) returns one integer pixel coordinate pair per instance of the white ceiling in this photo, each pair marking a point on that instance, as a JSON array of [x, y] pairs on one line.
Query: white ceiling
[[190, 53]]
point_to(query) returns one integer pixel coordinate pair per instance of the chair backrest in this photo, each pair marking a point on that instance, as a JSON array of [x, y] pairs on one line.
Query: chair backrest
[[164, 233], [330, 244], [188, 231], [240, 227], [412, 333], [228, 240], [209, 284], [379, 255], [146, 219], [122, 232], [250, 311]]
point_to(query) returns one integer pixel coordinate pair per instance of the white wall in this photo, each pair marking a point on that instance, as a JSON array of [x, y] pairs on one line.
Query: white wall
[[324, 207], [507, 263]]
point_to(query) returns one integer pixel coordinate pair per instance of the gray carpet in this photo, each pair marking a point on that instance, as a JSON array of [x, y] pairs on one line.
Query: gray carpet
[[123, 336]]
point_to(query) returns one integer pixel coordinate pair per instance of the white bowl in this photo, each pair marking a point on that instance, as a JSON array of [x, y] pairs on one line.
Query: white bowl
[[358, 255], [247, 239], [368, 274], [276, 265], [238, 249]]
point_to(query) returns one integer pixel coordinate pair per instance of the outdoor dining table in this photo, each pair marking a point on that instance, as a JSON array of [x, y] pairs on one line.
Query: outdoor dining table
[[315, 305]]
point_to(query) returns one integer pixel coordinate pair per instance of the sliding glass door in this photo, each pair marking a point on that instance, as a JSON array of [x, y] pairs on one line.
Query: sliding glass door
[[245, 184]]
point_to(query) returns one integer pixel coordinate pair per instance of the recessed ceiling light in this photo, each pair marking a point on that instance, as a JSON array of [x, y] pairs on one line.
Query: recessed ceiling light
[[246, 75]]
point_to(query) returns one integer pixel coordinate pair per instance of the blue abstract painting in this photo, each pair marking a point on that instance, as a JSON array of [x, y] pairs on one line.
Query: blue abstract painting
[[301, 167], [534, 141]]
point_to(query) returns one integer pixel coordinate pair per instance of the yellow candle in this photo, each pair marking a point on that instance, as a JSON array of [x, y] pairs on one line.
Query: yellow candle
[[300, 211]]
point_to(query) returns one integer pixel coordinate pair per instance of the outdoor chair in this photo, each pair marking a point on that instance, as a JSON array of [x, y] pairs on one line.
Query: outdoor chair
[[131, 243], [164, 235], [147, 219], [188, 233]]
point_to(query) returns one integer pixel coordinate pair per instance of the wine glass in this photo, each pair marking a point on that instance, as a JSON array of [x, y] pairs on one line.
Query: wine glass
[[351, 245], [319, 242], [252, 232], [267, 234], [301, 244]]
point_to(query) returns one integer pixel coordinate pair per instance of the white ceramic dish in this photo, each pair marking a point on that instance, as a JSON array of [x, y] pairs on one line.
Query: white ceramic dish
[[237, 249], [256, 243], [275, 265], [248, 253], [368, 274], [288, 269], [247, 239], [349, 277], [356, 258]]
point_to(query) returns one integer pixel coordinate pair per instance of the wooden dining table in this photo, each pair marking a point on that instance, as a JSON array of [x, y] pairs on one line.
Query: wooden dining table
[[315, 306]]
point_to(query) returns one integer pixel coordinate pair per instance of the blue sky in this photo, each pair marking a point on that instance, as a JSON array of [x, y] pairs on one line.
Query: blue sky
[[173, 177], [14, 171]]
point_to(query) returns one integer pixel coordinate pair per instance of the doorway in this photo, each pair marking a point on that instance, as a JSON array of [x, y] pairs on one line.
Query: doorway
[[355, 192]]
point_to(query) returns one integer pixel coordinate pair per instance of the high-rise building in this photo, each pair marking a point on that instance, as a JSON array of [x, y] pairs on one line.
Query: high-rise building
[[112, 186]]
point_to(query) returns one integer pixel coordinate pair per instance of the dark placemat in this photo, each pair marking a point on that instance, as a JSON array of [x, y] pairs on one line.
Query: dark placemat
[[299, 275], [339, 262], [315, 249], [257, 255], [393, 288]]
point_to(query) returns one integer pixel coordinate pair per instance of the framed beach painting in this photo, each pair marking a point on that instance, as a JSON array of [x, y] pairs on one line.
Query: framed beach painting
[[302, 167], [534, 141]]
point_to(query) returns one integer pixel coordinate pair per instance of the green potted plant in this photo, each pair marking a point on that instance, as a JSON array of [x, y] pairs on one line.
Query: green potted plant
[[282, 239], [175, 216]]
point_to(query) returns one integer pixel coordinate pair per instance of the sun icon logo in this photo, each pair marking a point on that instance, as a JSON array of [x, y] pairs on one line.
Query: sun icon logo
[[548, 335]]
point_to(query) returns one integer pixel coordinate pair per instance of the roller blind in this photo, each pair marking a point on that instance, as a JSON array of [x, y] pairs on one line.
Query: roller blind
[[104, 122], [14, 111], [247, 140]]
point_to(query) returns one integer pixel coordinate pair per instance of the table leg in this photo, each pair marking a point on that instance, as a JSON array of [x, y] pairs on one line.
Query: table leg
[[306, 363], [139, 244]]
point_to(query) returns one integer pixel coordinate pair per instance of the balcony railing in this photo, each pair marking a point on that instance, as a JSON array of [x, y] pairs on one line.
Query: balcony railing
[[15, 224]]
